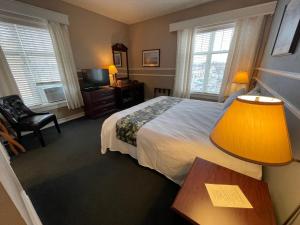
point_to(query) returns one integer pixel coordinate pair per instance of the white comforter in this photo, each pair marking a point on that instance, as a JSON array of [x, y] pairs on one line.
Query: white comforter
[[170, 142]]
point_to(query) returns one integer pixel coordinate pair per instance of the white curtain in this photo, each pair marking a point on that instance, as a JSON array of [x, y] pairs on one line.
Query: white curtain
[[8, 84], [243, 51], [182, 87], [62, 47]]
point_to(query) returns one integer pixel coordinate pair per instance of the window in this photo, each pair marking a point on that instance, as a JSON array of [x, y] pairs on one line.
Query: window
[[31, 58], [210, 52]]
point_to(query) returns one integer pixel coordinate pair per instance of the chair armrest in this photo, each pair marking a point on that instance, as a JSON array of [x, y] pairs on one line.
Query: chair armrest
[[42, 113]]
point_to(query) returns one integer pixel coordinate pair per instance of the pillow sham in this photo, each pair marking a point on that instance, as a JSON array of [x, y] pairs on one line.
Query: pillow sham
[[232, 97]]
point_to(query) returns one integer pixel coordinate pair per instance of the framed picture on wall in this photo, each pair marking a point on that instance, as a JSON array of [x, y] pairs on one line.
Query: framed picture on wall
[[289, 30], [118, 59], [151, 58]]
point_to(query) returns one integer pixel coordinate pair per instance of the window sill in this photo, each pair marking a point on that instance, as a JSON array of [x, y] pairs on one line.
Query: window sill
[[204, 96], [49, 106]]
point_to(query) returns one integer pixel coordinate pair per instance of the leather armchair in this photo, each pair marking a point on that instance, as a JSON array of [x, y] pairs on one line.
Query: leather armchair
[[21, 118]]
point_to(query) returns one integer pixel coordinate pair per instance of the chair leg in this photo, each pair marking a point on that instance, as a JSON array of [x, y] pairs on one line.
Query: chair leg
[[19, 136], [56, 125], [40, 136]]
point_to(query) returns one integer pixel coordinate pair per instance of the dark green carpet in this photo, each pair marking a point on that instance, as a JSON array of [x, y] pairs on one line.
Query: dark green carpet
[[71, 183]]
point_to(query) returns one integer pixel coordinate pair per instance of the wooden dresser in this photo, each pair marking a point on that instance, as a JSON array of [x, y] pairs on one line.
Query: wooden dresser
[[99, 102]]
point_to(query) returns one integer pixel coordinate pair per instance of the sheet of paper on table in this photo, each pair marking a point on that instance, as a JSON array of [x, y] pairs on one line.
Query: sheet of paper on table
[[227, 196]]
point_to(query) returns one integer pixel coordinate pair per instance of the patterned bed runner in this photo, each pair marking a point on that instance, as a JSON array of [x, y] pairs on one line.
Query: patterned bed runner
[[128, 126]]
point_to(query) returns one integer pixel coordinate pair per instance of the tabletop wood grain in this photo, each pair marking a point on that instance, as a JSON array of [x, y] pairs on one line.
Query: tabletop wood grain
[[193, 201]]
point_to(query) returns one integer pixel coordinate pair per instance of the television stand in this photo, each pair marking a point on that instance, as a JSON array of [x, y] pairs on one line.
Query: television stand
[[99, 101]]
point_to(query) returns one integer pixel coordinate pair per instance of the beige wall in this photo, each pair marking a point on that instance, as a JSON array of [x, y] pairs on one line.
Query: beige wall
[[64, 112], [92, 36], [154, 33], [284, 181]]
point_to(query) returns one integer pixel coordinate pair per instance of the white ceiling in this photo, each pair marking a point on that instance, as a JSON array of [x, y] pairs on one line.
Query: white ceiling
[[133, 11]]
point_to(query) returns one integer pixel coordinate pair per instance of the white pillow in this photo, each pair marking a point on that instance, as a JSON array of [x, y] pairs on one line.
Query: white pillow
[[232, 97]]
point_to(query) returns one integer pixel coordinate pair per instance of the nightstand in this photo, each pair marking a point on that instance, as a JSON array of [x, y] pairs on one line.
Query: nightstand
[[194, 203]]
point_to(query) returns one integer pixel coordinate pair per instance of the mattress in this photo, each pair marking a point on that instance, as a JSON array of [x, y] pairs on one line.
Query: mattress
[[170, 142]]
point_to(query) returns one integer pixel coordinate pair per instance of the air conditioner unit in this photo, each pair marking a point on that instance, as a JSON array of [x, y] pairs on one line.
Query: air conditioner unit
[[55, 94]]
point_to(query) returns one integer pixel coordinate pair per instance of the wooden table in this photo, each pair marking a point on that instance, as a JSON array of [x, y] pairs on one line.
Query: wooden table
[[12, 143], [193, 201]]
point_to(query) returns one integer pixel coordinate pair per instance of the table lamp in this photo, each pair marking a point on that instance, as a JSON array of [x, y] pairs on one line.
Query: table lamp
[[241, 77], [241, 80], [112, 74], [254, 129]]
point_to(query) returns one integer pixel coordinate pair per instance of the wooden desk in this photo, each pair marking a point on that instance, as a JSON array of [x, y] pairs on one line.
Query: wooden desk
[[193, 201], [130, 94]]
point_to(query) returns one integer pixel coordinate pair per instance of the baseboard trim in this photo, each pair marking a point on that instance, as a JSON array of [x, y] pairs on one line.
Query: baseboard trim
[[61, 121], [72, 117], [288, 104], [280, 73]]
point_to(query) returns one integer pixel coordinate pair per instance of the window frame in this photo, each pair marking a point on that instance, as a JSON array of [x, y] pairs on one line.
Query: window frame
[[40, 24], [208, 54], [49, 106]]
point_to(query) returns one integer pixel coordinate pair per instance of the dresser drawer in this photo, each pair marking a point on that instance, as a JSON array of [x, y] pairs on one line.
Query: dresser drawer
[[104, 107], [102, 93], [99, 102], [100, 113], [103, 100]]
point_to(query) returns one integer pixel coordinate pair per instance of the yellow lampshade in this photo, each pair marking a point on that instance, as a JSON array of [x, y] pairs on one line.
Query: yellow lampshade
[[241, 77], [254, 129], [112, 69]]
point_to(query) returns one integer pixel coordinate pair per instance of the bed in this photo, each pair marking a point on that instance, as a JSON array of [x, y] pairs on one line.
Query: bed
[[170, 142]]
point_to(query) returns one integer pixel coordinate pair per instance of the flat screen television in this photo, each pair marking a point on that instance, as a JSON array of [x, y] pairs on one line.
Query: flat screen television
[[95, 78]]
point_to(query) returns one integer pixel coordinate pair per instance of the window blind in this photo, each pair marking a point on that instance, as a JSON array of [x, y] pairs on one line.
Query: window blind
[[31, 58], [210, 51]]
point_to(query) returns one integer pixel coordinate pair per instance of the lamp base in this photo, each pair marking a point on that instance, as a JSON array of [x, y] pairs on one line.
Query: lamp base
[[236, 87], [112, 80]]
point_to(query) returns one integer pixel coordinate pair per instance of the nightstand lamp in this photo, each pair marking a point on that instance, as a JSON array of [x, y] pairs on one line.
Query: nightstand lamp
[[241, 80], [241, 77], [112, 75], [254, 129]]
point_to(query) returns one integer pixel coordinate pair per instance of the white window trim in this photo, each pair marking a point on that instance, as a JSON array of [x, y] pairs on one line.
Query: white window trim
[[24, 9], [49, 106], [44, 106], [225, 17], [205, 96], [209, 53]]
